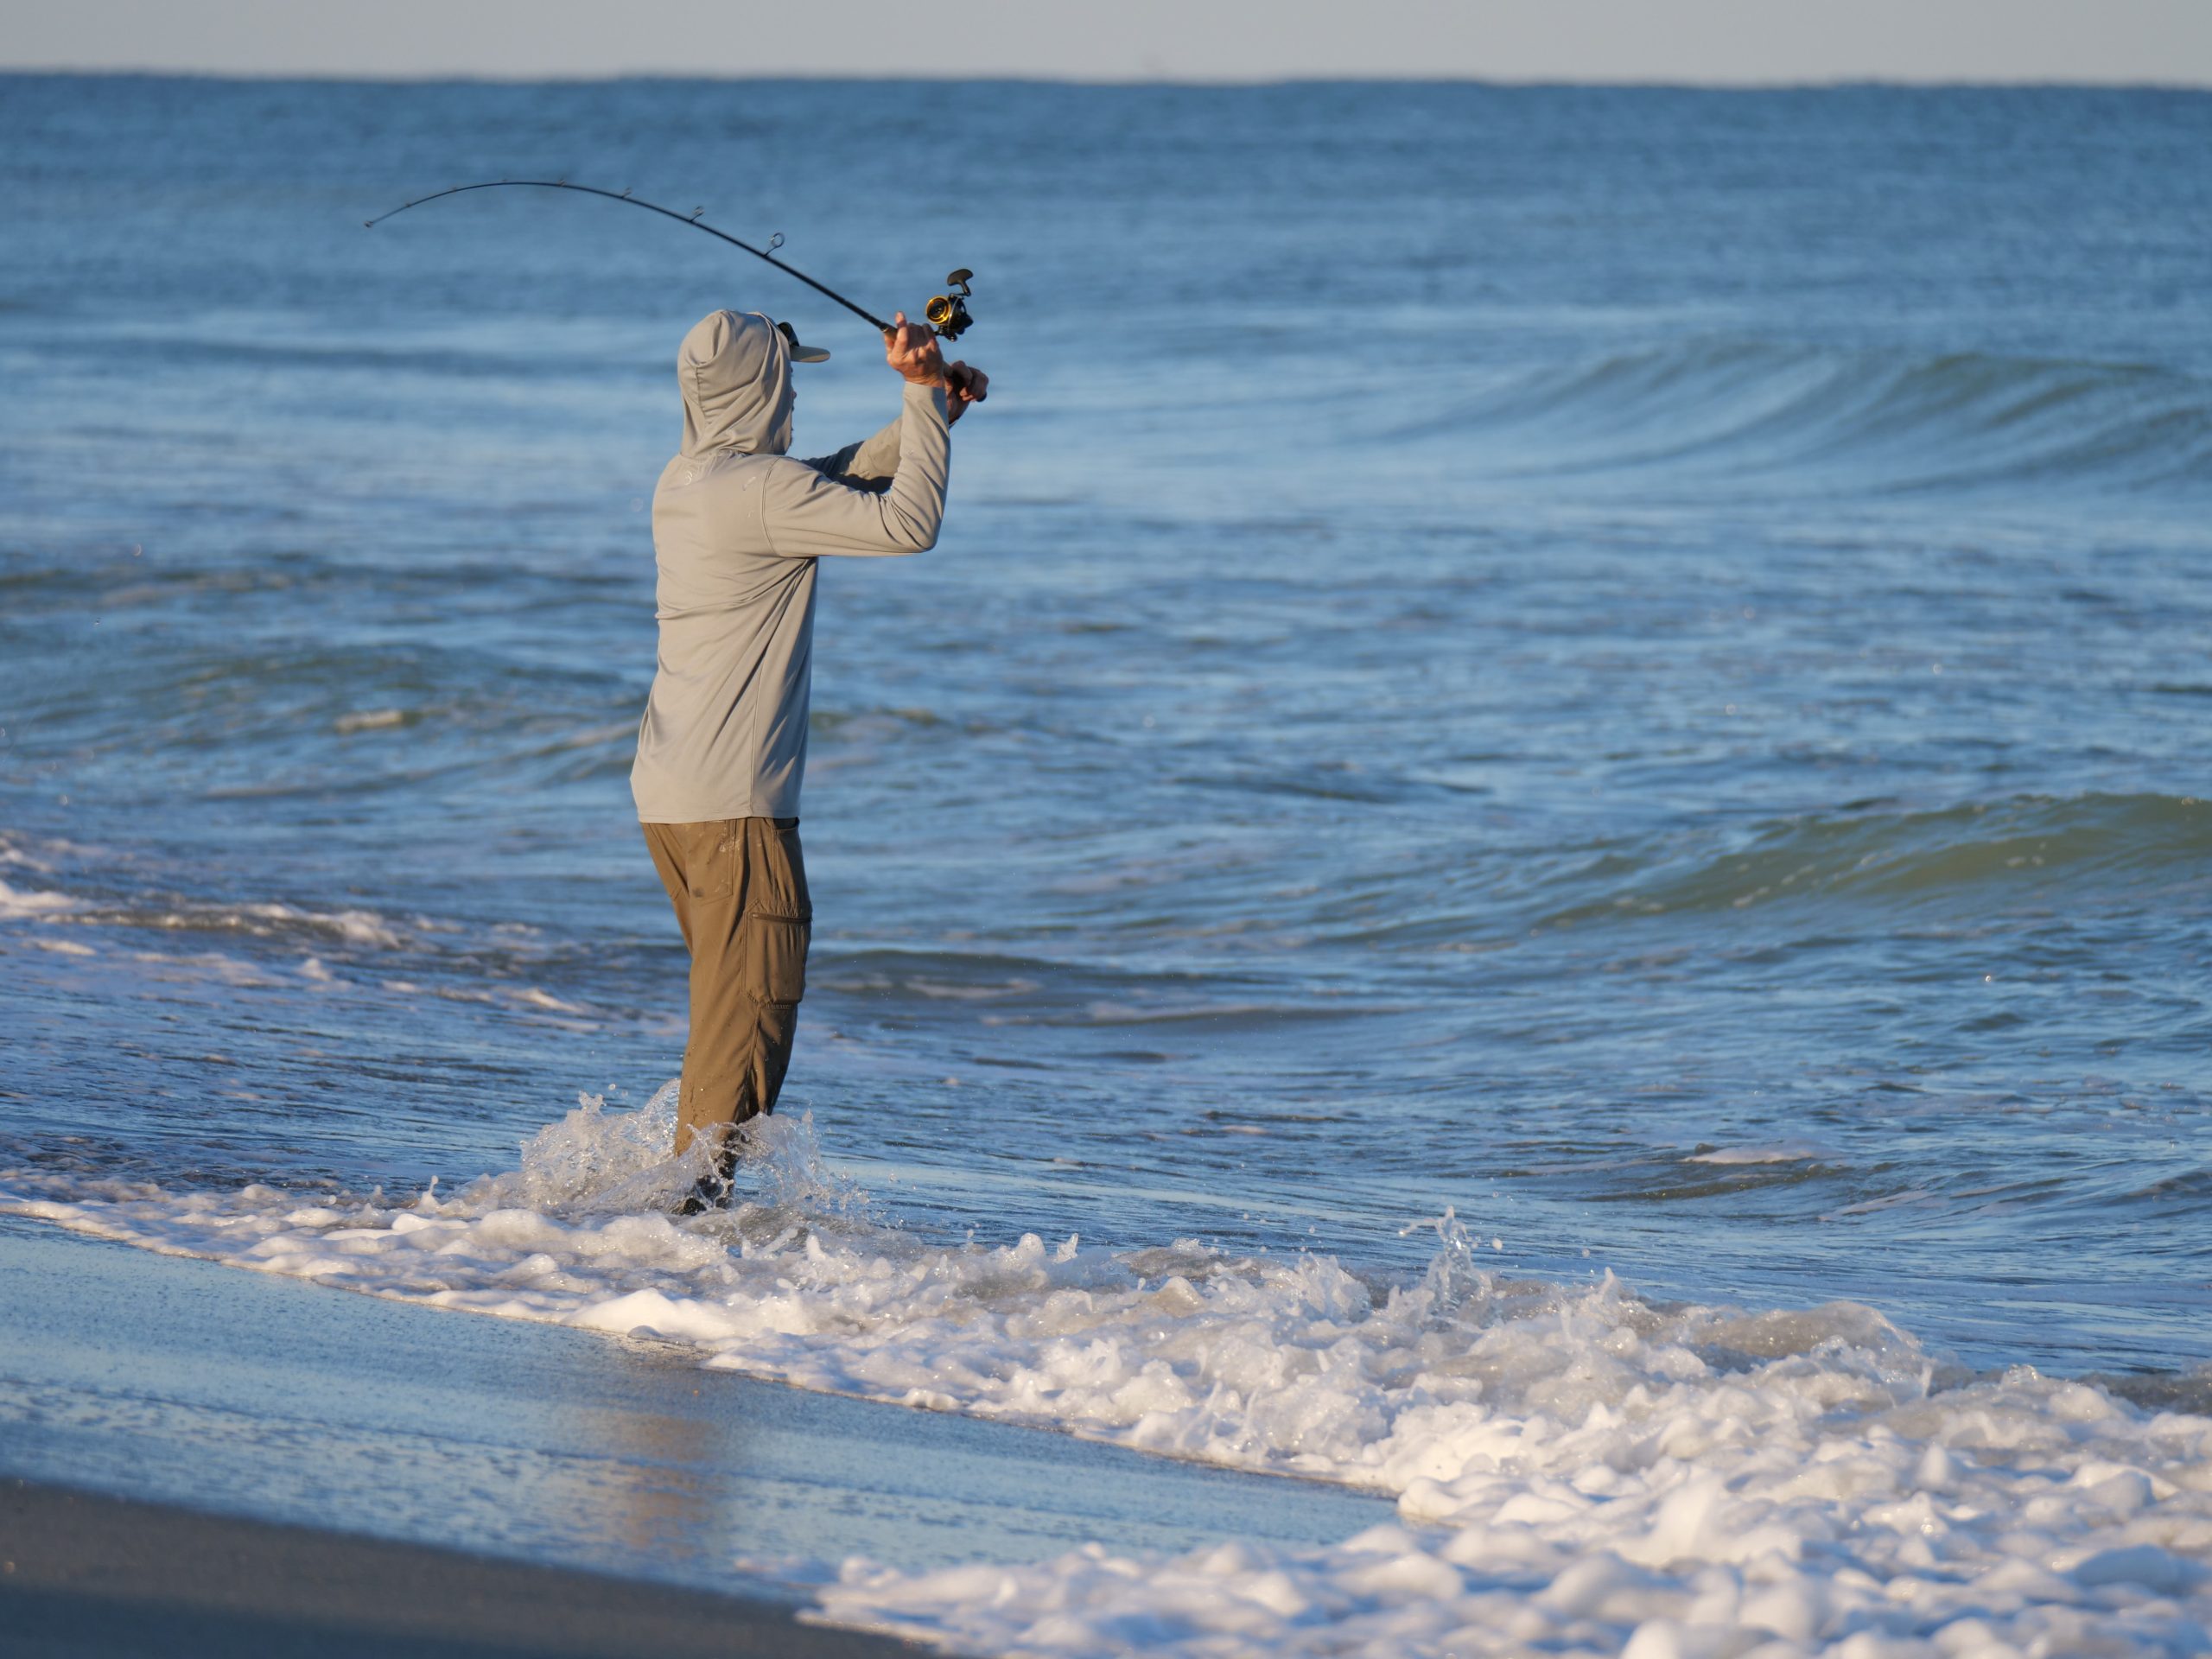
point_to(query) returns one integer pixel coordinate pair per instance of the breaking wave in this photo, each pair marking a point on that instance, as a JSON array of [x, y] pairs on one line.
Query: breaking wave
[[1577, 1469], [2152, 847], [1885, 420]]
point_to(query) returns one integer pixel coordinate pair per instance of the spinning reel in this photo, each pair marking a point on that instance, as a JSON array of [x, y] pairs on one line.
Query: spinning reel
[[948, 312]]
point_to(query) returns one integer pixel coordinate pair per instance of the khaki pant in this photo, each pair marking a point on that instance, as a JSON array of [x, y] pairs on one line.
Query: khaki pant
[[739, 890]]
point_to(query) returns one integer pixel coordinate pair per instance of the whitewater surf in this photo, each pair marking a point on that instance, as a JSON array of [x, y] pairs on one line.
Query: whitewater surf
[[1575, 1468]]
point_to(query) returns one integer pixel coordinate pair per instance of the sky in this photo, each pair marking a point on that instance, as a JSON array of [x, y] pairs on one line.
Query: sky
[[1706, 41]]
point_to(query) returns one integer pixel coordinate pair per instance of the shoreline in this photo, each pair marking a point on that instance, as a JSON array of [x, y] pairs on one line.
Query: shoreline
[[90, 1576], [178, 1388]]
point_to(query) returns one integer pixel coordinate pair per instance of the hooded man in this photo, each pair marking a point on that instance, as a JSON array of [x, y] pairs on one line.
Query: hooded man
[[737, 526]]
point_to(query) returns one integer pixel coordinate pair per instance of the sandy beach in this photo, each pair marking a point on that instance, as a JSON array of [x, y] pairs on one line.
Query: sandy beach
[[383, 1448], [87, 1577]]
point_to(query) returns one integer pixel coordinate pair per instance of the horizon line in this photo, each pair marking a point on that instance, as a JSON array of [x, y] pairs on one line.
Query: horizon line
[[581, 77]]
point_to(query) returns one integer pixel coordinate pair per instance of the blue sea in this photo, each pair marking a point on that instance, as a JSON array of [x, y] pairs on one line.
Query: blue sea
[[1544, 697]]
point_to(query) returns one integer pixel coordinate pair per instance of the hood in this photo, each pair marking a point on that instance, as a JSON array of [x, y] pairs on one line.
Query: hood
[[735, 372]]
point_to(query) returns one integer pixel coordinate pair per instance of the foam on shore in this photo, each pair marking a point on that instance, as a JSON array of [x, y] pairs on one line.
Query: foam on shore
[[1577, 1469]]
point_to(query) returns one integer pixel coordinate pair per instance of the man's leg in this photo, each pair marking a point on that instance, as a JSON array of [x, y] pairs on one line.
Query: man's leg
[[740, 891]]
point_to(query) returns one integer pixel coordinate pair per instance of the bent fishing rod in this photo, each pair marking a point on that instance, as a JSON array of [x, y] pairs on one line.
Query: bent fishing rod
[[947, 313]]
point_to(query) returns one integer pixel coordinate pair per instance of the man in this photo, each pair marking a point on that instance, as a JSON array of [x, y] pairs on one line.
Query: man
[[737, 526]]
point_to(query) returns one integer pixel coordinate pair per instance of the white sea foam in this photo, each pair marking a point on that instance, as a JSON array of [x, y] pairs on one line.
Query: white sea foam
[[369, 719], [539, 999], [262, 919], [354, 927], [1577, 1470], [24, 904], [1791, 1152]]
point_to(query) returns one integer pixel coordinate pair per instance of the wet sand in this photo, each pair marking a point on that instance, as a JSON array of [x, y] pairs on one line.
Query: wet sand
[[611, 1474], [87, 1577]]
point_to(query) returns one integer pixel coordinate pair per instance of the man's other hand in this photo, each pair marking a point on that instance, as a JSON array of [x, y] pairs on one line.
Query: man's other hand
[[964, 385]]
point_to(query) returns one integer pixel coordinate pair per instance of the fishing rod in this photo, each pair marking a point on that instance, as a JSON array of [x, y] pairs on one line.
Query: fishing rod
[[947, 313]]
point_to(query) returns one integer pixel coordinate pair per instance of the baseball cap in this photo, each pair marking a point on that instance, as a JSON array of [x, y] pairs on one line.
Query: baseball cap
[[801, 353]]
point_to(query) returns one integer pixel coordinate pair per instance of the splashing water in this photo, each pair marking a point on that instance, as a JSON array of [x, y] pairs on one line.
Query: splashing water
[[1576, 1468], [590, 1164], [1460, 1289]]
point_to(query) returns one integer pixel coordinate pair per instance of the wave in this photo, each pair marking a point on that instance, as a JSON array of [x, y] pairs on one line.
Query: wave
[[41, 903], [1576, 1468], [502, 356], [1892, 421], [2031, 848], [1020, 990], [266, 920]]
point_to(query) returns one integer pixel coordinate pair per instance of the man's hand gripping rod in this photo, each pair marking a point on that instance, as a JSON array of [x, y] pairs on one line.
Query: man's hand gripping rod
[[947, 313]]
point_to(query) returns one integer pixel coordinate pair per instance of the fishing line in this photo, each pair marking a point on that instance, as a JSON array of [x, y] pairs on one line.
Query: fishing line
[[947, 313]]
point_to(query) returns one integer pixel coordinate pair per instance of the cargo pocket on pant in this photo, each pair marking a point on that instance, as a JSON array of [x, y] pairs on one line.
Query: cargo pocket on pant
[[776, 956], [711, 855]]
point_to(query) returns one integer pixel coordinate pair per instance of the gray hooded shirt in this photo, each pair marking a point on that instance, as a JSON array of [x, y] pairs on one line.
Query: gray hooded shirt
[[737, 527]]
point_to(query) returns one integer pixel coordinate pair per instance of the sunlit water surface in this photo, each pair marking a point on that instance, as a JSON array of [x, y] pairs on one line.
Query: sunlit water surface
[[1629, 664]]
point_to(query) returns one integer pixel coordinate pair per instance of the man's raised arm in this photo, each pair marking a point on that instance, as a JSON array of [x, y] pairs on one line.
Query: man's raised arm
[[829, 507], [870, 464]]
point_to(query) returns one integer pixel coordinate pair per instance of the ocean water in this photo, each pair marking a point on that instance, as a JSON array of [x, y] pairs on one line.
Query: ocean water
[[1538, 840]]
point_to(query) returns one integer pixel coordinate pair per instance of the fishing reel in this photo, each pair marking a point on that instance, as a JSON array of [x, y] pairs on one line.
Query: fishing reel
[[948, 312]]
